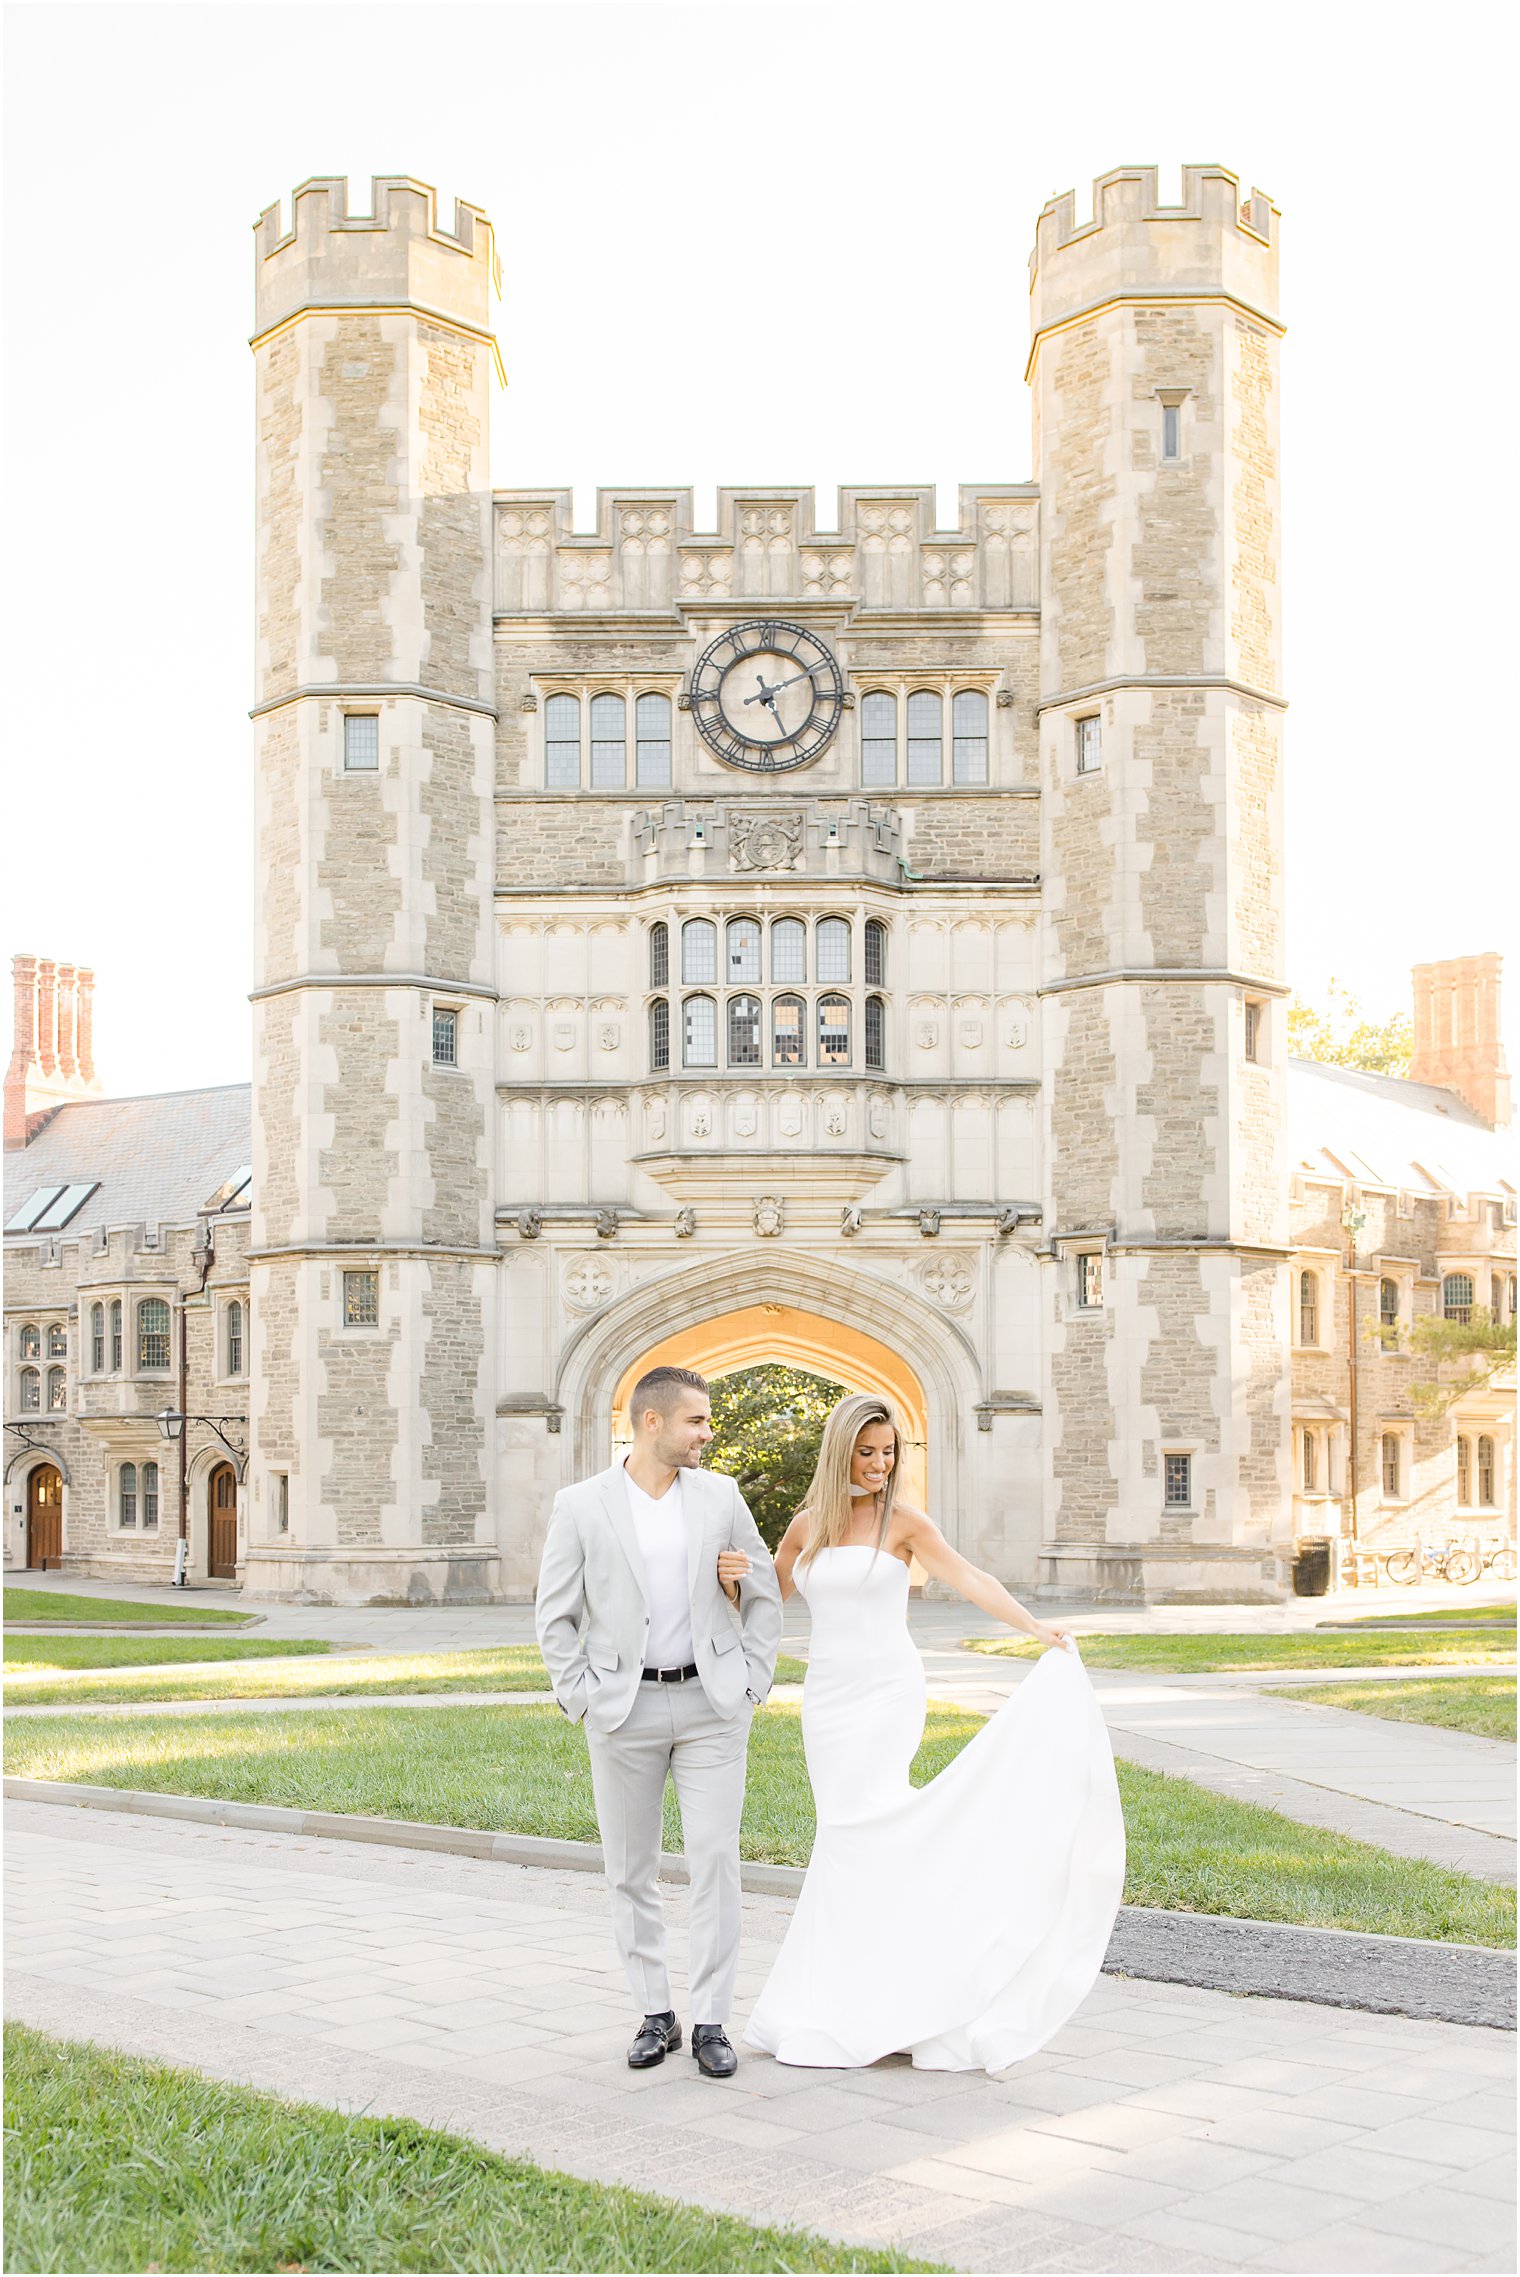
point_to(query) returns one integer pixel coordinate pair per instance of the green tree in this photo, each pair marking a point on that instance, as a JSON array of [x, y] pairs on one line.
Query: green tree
[[1341, 1034], [767, 1423], [1461, 1356]]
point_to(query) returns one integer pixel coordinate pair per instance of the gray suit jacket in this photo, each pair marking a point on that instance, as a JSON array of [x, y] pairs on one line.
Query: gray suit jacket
[[593, 1612]]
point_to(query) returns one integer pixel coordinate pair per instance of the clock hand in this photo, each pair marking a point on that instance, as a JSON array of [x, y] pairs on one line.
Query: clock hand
[[796, 676], [765, 693]]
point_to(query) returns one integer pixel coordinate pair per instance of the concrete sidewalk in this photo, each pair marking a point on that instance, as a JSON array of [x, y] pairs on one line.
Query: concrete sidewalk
[[1165, 2129]]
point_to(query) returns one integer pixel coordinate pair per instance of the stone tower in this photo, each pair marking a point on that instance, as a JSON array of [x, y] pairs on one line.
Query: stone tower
[[373, 1235], [1154, 366]]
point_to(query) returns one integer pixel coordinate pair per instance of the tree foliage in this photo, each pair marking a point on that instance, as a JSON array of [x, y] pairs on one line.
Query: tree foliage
[[767, 1423], [1458, 1356], [1341, 1034]]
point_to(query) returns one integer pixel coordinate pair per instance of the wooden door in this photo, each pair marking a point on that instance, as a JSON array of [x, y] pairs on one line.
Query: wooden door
[[44, 1517], [221, 1505]]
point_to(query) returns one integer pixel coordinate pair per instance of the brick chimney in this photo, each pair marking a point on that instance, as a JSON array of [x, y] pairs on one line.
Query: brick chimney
[[1456, 1033], [51, 1060]]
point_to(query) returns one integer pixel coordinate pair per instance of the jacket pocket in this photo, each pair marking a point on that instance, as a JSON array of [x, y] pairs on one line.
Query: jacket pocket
[[601, 1653], [727, 1640]]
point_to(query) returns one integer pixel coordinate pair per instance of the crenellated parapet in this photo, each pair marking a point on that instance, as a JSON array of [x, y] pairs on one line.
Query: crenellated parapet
[[1135, 248], [886, 553], [398, 254]]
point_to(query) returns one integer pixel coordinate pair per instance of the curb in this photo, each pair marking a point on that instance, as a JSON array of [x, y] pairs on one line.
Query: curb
[[1333, 1968]]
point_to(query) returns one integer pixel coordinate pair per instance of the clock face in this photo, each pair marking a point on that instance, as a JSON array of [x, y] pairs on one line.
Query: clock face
[[766, 695]]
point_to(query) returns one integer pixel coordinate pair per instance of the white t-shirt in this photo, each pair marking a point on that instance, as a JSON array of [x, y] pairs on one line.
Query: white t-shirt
[[661, 1528]]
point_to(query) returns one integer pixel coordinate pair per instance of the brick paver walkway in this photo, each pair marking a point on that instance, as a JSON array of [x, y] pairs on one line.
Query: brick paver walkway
[[1166, 2129]]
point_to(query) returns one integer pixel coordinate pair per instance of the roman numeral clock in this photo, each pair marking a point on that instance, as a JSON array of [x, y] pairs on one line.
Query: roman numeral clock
[[766, 695]]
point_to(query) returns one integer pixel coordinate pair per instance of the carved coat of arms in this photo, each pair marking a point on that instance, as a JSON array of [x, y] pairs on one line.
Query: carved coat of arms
[[765, 841]]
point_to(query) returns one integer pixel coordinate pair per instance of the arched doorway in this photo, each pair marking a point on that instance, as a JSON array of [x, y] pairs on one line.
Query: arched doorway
[[221, 1523], [44, 1517]]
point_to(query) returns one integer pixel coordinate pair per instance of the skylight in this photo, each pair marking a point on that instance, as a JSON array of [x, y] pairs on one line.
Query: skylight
[[51, 1207]]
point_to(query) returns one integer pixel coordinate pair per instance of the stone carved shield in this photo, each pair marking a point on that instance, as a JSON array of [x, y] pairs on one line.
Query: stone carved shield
[[765, 841]]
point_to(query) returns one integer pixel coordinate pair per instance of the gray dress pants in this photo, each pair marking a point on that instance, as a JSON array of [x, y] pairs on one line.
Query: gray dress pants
[[672, 1730]]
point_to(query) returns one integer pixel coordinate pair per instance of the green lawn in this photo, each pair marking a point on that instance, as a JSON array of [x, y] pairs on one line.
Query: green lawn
[[525, 1770], [501, 1668], [1502, 1615], [23, 1604], [1204, 1655], [41, 1657], [114, 2163], [1481, 1704]]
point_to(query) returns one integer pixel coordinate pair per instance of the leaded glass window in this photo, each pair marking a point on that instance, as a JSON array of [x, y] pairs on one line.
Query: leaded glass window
[[1457, 1298], [97, 1340], [609, 743], [1311, 1463], [445, 1038], [234, 1338], [31, 1342], [833, 1031], [116, 1338], [788, 1032], [57, 1390], [126, 1495], [876, 953], [1388, 1307], [968, 727], [659, 1034], [1308, 1308], [926, 733], [701, 1045], [876, 1032], [1089, 745], [1464, 1473], [361, 1300], [789, 950], [361, 742], [149, 1496], [1486, 1472], [699, 950], [562, 743], [1179, 1482], [1090, 1279], [1391, 1464], [659, 956], [651, 728], [58, 1339], [743, 943], [832, 949], [744, 1031], [31, 1390], [153, 1333], [878, 739]]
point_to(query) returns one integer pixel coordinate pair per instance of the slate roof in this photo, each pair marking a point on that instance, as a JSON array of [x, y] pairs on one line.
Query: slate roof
[[1381, 1130], [159, 1160]]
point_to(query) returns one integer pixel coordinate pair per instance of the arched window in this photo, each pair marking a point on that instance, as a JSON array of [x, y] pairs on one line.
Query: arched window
[[659, 1034], [31, 1390], [153, 1333], [788, 951], [876, 1032], [1388, 1307], [744, 1031], [609, 743], [57, 1390], [31, 1342], [1311, 1463], [788, 1032], [116, 1353], [878, 739], [699, 950], [968, 726], [235, 1338], [1486, 1473], [562, 743], [149, 1495], [659, 956], [97, 1340], [651, 732], [701, 1031], [1308, 1308], [58, 1340], [1457, 1297], [833, 1031], [742, 942], [832, 950], [876, 953], [926, 737], [1391, 1463], [1464, 1473], [126, 1495]]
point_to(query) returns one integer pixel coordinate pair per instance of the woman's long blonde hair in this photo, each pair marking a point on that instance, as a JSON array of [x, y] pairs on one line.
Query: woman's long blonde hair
[[828, 1505]]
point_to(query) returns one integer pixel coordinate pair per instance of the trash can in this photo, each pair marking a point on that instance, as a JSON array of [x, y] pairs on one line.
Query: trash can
[[1311, 1569]]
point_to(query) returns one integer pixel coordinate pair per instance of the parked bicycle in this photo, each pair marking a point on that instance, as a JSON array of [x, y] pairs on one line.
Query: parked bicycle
[[1459, 1563]]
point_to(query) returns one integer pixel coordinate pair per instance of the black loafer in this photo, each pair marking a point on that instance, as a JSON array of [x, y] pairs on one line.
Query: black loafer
[[710, 2046], [653, 2041]]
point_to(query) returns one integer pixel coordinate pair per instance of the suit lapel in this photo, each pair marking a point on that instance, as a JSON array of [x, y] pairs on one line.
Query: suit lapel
[[614, 1492], [696, 1501]]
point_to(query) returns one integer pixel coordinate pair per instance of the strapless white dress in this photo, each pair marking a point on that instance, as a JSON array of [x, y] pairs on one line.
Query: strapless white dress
[[961, 1922]]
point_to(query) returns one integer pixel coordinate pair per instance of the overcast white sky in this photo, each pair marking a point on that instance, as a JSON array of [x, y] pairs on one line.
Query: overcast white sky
[[649, 168]]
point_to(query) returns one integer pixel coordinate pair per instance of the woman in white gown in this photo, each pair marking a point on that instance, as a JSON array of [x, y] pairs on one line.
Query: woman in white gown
[[964, 1921]]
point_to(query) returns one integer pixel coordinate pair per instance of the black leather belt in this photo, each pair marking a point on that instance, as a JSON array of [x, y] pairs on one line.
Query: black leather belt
[[669, 1675]]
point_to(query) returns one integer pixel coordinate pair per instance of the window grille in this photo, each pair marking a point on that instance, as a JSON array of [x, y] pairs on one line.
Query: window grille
[[1457, 1298], [926, 732], [562, 743], [1311, 1463], [1179, 1482], [361, 742], [659, 956], [701, 1045], [878, 740], [651, 730], [788, 950], [57, 1390], [116, 1338], [58, 1339], [744, 1031], [126, 1495], [876, 953], [1090, 1278], [699, 950], [1464, 1473], [153, 1333], [968, 729], [31, 1390], [1308, 1308], [1391, 1465], [788, 1032], [833, 1031], [97, 1340], [31, 1342], [445, 1038], [1486, 1473], [659, 1034], [743, 944], [609, 743], [832, 949], [1089, 745], [361, 1300], [876, 1032], [234, 1338], [149, 1496]]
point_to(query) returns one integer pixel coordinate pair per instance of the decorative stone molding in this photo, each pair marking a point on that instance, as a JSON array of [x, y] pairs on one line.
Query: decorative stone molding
[[588, 1283], [764, 841], [928, 1224], [948, 1280], [770, 1215]]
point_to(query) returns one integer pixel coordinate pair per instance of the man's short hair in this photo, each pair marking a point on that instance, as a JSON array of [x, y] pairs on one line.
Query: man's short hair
[[661, 1388]]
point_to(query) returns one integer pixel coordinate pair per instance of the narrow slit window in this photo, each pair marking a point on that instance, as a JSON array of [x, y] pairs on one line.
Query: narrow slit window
[[1311, 1463], [659, 956], [149, 1497], [659, 1035], [878, 740], [1464, 1473], [126, 1495], [1391, 1464], [1179, 1482], [234, 1338], [562, 743], [1308, 1308], [876, 1032], [1171, 430], [361, 743], [1090, 1280], [968, 726], [116, 1337], [1388, 1309], [651, 729], [1486, 1473], [1253, 1030], [279, 1500], [876, 953], [788, 1032], [97, 1340], [926, 738], [1089, 744]]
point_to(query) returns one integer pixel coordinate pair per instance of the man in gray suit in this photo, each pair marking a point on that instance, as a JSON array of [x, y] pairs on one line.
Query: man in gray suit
[[641, 1646]]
